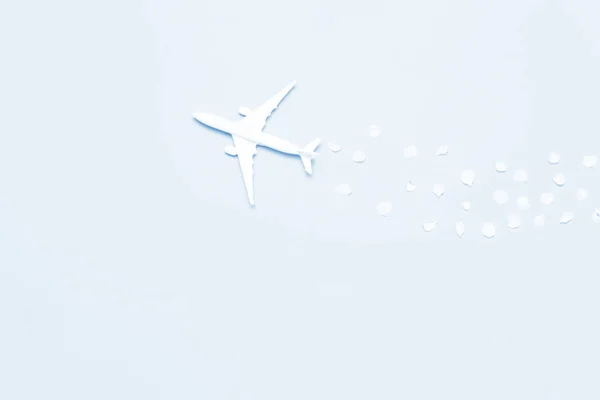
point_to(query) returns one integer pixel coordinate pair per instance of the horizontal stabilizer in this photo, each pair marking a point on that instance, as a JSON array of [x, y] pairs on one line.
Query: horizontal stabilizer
[[308, 153]]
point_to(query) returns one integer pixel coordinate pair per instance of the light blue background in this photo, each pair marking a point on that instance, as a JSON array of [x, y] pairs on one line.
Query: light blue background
[[131, 266]]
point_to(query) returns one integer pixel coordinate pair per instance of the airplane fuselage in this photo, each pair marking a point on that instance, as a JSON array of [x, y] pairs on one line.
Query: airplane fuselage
[[245, 129]]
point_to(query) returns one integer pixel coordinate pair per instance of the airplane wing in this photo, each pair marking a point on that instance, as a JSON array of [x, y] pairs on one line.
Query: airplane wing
[[260, 114], [245, 152]]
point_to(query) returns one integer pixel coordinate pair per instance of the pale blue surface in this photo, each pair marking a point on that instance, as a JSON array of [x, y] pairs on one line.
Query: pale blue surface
[[131, 266]]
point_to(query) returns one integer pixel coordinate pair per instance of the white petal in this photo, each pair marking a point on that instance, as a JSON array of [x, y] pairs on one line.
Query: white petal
[[590, 161], [410, 152], [566, 218], [438, 189], [344, 189], [514, 221], [539, 220], [547, 198], [384, 208], [553, 158], [374, 131], [334, 147], [467, 177], [500, 166], [466, 205], [460, 229], [523, 202], [521, 176], [442, 151], [559, 179], [582, 194], [429, 226], [488, 230], [359, 156], [410, 187], [500, 196], [596, 215]]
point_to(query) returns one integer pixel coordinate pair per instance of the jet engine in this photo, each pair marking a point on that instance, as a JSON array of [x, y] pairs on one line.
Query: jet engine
[[231, 150]]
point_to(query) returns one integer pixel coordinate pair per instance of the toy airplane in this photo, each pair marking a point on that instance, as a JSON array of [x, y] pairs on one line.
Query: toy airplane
[[247, 133]]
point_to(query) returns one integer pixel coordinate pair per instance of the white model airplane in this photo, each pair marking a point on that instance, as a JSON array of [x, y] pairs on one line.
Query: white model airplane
[[247, 133]]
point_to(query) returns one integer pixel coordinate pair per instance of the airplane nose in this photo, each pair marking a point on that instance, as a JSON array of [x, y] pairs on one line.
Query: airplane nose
[[200, 116]]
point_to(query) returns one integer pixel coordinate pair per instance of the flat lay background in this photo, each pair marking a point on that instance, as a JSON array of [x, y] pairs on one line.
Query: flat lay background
[[132, 267]]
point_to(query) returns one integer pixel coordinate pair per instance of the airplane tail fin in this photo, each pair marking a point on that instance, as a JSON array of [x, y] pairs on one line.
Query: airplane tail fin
[[308, 153]]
